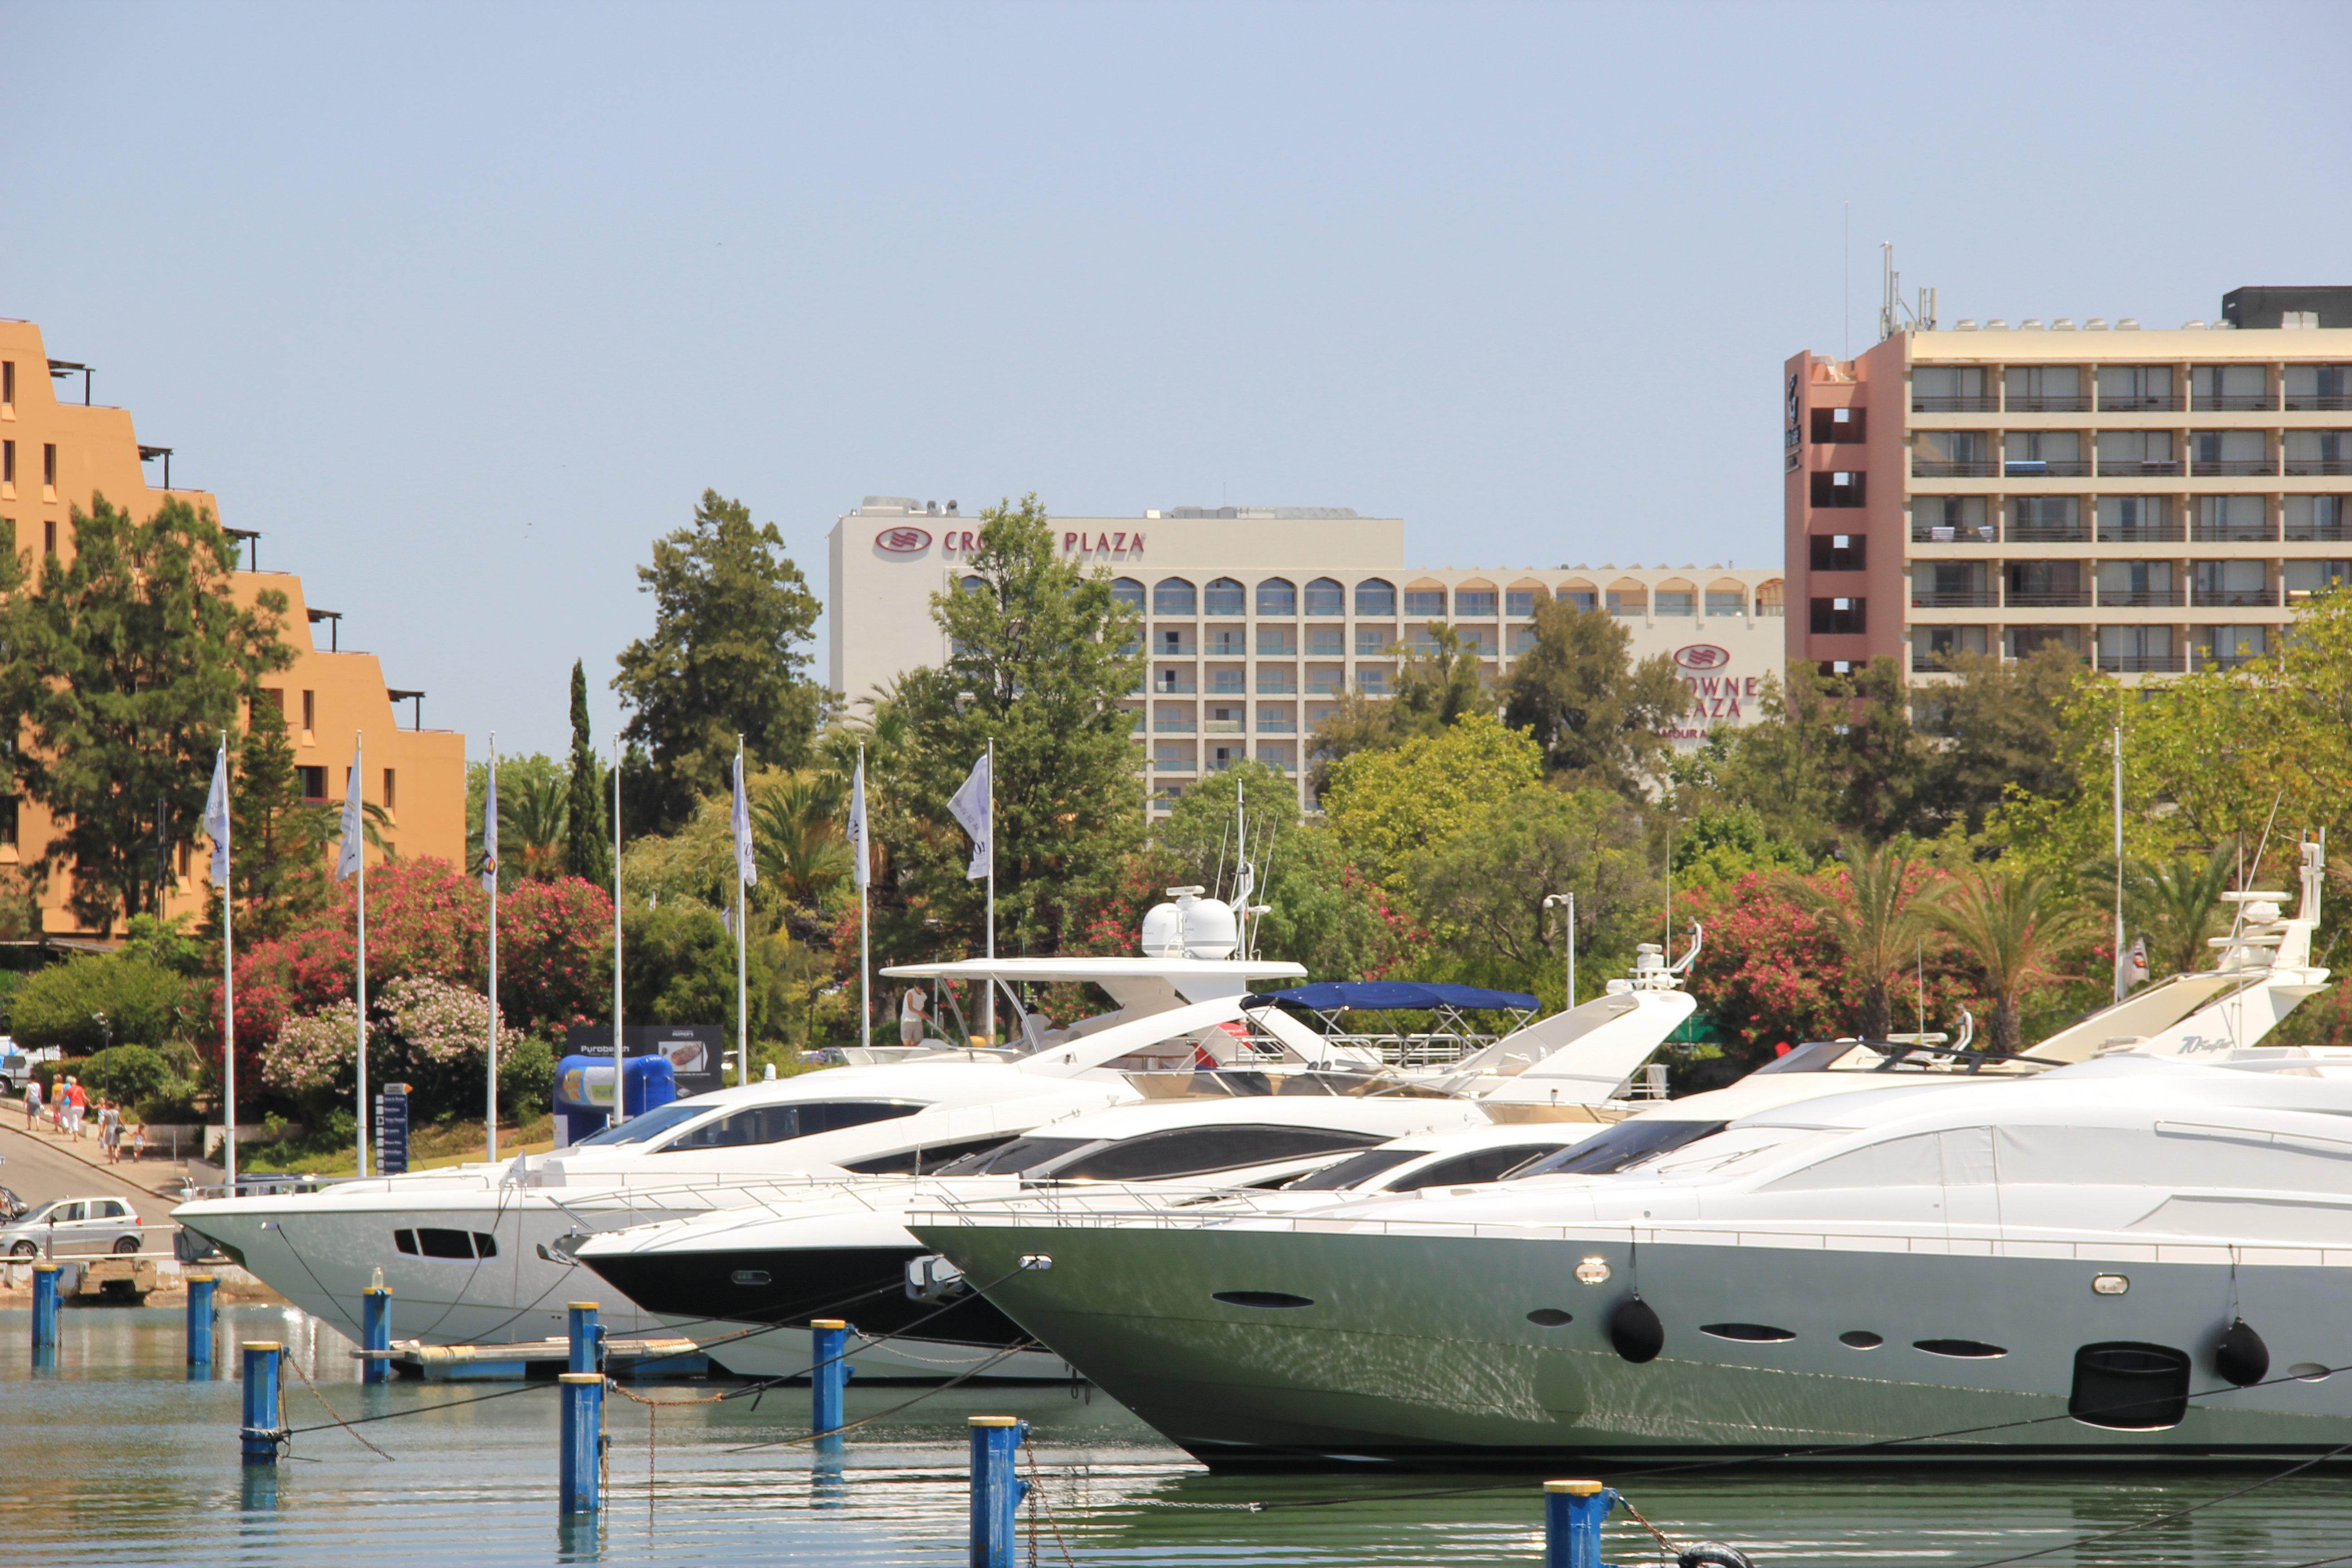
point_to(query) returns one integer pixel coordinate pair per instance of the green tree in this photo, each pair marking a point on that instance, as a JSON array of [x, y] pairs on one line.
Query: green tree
[[2015, 924], [534, 793], [1886, 761], [1875, 919], [799, 838], [1717, 845], [86, 1003], [1788, 768], [279, 872], [1038, 666], [1998, 728], [121, 671], [2175, 904], [587, 831], [728, 658], [1597, 714], [1384, 806], [1482, 890], [1435, 687]]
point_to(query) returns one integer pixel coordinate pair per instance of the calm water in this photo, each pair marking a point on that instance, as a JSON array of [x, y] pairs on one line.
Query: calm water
[[112, 1457]]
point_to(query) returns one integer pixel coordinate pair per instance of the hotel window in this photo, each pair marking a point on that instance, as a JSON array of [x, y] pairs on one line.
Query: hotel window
[[2304, 578], [48, 536], [8, 385], [1727, 601], [390, 795], [1172, 596], [1628, 602], [2234, 386], [1278, 639], [1126, 591], [8, 822], [8, 464], [975, 585], [1948, 389], [1374, 596], [1519, 604], [48, 465], [1226, 598], [2307, 517], [1224, 642], [1277, 596], [1373, 681], [2319, 387], [1428, 604], [1327, 642], [2231, 518], [314, 782], [309, 711], [1581, 598], [1840, 488], [2044, 388], [1838, 616], [1326, 598], [2045, 520], [8, 534], [1372, 640], [1838, 426], [1522, 638], [1839, 553], [2125, 519], [1676, 601], [1477, 602]]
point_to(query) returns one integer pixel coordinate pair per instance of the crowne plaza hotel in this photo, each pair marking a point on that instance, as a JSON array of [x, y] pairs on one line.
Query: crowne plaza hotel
[[1256, 619], [2152, 500]]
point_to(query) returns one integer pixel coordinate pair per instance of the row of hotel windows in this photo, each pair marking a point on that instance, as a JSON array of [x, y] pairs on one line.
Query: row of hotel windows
[[2069, 454], [8, 464], [2123, 585], [1982, 520], [2138, 388], [1377, 597], [2119, 651]]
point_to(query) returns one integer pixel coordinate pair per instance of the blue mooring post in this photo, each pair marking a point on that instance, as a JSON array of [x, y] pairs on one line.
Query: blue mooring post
[[587, 1336], [828, 1378], [996, 1492], [1573, 1513], [583, 1441], [375, 1333], [200, 1325], [261, 1431], [45, 1307]]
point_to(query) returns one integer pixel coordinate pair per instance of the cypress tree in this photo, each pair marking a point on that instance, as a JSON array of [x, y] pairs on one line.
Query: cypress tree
[[587, 832]]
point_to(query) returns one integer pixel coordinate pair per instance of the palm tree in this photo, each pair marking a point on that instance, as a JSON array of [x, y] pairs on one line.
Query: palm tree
[[2014, 924], [1875, 919], [2176, 905], [533, 809], [797, 832]]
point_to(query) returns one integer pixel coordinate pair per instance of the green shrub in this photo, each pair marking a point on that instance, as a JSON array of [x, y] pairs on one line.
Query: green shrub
[[526, 1079], [142, 1001], [127, 1074]]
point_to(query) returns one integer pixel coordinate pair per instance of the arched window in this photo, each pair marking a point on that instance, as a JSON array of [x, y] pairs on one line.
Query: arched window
[[1426, 601], [1171, 596], [975, 585], [1326, 598], [1475, 601], [1277, 596], [1374, 596], [1225, 596], [1127, 591]]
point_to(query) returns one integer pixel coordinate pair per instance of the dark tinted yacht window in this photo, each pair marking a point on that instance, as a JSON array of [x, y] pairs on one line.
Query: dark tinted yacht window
[[1623, 1146], [1196, 1151], [776, 1123], [652, 1123], [1355, 1168], [1011, 1158], [1478, 1166]]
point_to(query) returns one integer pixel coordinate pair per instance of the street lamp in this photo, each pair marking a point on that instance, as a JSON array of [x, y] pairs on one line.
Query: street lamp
[[1553, 900]]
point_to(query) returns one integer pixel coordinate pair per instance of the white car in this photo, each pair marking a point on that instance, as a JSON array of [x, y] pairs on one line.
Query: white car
[[73, 1226]]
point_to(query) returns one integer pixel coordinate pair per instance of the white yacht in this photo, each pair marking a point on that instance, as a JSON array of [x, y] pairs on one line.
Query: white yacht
[[474, 1254], [2133, 1258], [747, 1279]]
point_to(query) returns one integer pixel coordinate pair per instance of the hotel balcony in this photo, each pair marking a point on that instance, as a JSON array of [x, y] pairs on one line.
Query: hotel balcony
[[1276, 685], [1956, 598], [2139, 467], [2236, 402], [2306, 467], [1954, 468], [2141, 403], [2172, 533], [2049, 402], [1943, 533], [1277, 727], [1960, 403], [2259, 532], [2237, 598], [1173, 726], [2234, 468], [1221, 726], [2143, 663], [2049, 598], [2048, 533], [2045, 468], [2142, 598], [1168, 686]]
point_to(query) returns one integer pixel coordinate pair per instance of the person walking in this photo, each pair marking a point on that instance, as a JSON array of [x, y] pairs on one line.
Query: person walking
[[77, 1106], [914, 1011], [32, 1103], [139, 1141], [110, 1131]]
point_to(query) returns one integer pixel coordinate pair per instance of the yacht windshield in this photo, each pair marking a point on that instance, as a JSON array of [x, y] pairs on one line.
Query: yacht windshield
[[1623, 1146], [1011, 1158], [1354, 1169], [652, 1124]]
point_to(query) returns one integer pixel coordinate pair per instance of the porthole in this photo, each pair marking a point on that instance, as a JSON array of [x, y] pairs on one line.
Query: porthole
[[1266, 1299], [1861, 1340], [1966, 1349], [750, 1277], [2309, 1372], [1550, 1318], [1754, 1333]]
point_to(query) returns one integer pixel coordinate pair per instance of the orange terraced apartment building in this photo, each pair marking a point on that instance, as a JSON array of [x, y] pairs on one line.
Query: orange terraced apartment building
[[56, 455], [2155, 501]]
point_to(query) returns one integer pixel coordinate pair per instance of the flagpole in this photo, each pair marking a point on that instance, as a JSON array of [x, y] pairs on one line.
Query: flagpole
[[358, 772], [620, 1051], [228, 989], [2119, 860], [743, 923], [988, 1021], [490, 871], [861, 872]]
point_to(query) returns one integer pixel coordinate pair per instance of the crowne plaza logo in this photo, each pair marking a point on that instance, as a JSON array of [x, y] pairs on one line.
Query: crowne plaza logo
[[1702, 656], [903, 541]]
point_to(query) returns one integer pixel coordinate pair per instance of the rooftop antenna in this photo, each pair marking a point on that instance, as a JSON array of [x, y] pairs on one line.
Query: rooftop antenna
[[1892, 311]]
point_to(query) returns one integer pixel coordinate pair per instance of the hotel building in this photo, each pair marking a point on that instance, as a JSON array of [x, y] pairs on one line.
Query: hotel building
[[1257, 618], [56, 454], [2154, 500]]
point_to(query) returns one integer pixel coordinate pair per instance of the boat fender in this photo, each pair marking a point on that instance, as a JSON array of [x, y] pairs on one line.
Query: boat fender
[[1635, 1332], [2240, 1354], [1712, 1555]]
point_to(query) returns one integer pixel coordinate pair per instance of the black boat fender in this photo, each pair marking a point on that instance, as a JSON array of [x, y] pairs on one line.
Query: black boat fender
[[1712, 1555], [2240, 1354], [1635, 1330]]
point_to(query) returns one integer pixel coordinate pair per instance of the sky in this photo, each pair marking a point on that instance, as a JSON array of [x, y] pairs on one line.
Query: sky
[[462, 306]]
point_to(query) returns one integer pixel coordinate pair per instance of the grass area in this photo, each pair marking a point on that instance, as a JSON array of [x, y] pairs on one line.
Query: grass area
[[442, 1143]]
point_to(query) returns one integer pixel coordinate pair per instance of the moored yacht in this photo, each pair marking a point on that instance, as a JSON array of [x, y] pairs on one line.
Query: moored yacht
[[2134, 1256]]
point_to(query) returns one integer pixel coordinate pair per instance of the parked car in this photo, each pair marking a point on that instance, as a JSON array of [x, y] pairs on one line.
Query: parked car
[[72, 1227], [15, 1066], [11, 1205]]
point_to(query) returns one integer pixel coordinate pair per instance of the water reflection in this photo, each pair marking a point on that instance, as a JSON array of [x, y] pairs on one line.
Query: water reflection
[[580, 1538]]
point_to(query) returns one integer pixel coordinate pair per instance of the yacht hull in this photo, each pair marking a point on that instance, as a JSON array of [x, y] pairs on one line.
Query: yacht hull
[[1419, 1350]]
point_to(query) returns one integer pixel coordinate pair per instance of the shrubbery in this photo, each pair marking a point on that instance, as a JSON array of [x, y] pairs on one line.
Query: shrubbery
[[142, 1003]]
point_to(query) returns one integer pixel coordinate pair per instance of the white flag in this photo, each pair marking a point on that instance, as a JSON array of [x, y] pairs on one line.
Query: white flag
[[490, 830], [353, 833], [747, 863], [216, 818], [861, 865], [2131, 965], [974, 806]]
